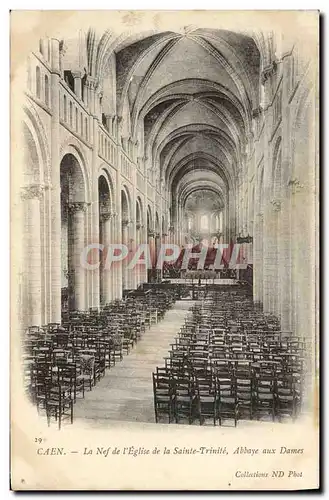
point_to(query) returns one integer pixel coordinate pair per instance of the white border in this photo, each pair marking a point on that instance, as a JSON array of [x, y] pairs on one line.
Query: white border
[[321, 5]]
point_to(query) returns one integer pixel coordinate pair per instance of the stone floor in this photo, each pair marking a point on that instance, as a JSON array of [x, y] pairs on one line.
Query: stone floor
[[126, 391]]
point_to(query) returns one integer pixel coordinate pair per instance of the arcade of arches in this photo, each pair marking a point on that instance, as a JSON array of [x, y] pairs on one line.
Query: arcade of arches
[[168, 137]]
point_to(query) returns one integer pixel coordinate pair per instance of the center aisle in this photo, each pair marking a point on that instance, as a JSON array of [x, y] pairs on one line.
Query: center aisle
[[126, 391]]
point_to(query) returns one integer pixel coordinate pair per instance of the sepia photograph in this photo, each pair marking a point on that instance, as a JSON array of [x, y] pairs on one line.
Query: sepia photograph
[[164, 250]]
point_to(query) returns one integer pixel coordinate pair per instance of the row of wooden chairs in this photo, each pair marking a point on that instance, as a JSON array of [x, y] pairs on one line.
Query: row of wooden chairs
[[243, 356], [180, 395], [62, 361]]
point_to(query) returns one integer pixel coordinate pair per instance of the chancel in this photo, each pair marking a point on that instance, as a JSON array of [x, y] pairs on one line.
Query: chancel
[[203, 140]]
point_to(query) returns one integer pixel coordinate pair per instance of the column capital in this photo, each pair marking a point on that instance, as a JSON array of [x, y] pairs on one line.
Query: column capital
[[61, 45], [150, 233], [256, 112], [260, 215], [295, 185], [32, 191], [127, 222], [105, 205], [276, 205], [77, 74], [105, 216], [268, 72], [92, 82], [77, 206], [139, 225]]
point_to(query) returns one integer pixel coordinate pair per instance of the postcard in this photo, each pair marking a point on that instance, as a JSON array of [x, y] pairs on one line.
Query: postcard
[[165, 250]]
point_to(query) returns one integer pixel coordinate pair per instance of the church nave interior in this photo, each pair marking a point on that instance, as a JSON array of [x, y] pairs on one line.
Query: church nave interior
[[202, 138]]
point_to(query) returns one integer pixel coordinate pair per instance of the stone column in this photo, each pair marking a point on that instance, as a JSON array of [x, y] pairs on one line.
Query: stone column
[[284, 266], [268, 243], [55, 201], [227, 227], [231, 216], [77, 273], [144, 240], [131, 273], [132, 234], [45, 247], [301, 272], [77, 84], [150, 241], [258, 259], [95, 281], [266, 98], [118, 233], [106, 277], [125, 241], [138, 241], [114, 267], [157, 245], [271, 256], [277, 206], [32, 313]]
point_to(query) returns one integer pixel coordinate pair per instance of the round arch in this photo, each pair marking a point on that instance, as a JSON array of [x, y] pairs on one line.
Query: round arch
[[71, 148], [125, 202], [215, 166], [207, 186], [157, 222], [33, 123], [139, 211], [103, 171], [149, 218]]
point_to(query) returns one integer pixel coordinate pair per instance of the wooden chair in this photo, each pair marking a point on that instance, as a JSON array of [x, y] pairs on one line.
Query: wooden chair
[[227, 402], [264, 401], [244, 387], [185, 399], [206, 398], [86, 371], [58, 403], [164, 394]]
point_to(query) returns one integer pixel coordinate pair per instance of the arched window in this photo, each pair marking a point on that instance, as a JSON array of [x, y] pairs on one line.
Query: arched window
[[71, 113], [81, 123], [46, 90], [40, 46], [48, 56], [204, 222], [76, 119], [65, 108], [86, 128], [37, 82]]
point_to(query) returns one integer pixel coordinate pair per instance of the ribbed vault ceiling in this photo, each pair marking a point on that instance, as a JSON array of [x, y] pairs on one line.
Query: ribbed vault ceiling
[[192, 94]]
